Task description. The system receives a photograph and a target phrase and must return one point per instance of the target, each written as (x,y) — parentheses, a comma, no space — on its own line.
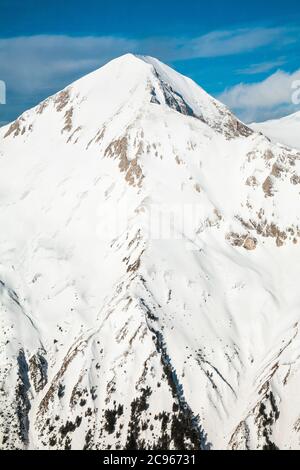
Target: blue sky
(244,53)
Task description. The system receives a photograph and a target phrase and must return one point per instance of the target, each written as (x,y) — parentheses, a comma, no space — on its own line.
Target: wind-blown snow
(127,341)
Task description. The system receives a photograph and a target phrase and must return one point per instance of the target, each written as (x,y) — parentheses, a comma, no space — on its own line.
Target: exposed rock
(268,187)
(118,149)
(62,100)
(16,128)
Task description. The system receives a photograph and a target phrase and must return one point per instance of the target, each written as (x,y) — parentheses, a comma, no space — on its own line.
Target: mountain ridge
(284,131)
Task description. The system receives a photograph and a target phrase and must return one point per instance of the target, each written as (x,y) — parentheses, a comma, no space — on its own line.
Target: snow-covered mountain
(285,131)
(133,339)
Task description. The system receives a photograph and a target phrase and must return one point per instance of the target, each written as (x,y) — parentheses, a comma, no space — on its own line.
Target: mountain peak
(137,84)
(149,271)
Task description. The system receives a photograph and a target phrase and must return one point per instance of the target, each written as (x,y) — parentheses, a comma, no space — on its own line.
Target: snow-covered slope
(285,130)
(159,334)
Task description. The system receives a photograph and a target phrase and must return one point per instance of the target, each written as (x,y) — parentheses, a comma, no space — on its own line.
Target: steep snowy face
(149,271)
(285,131)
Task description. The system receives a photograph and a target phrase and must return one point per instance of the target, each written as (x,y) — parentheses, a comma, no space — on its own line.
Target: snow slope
(133,339)
(285,131)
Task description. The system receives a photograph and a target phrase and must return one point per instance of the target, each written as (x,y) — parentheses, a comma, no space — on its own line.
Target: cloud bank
(34,67)
(272,97)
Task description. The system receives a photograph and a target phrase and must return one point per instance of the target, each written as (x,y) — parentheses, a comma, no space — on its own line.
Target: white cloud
(34,67)
(263,67)
(224,43)
(41,62)
(38,63)
(263,100)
